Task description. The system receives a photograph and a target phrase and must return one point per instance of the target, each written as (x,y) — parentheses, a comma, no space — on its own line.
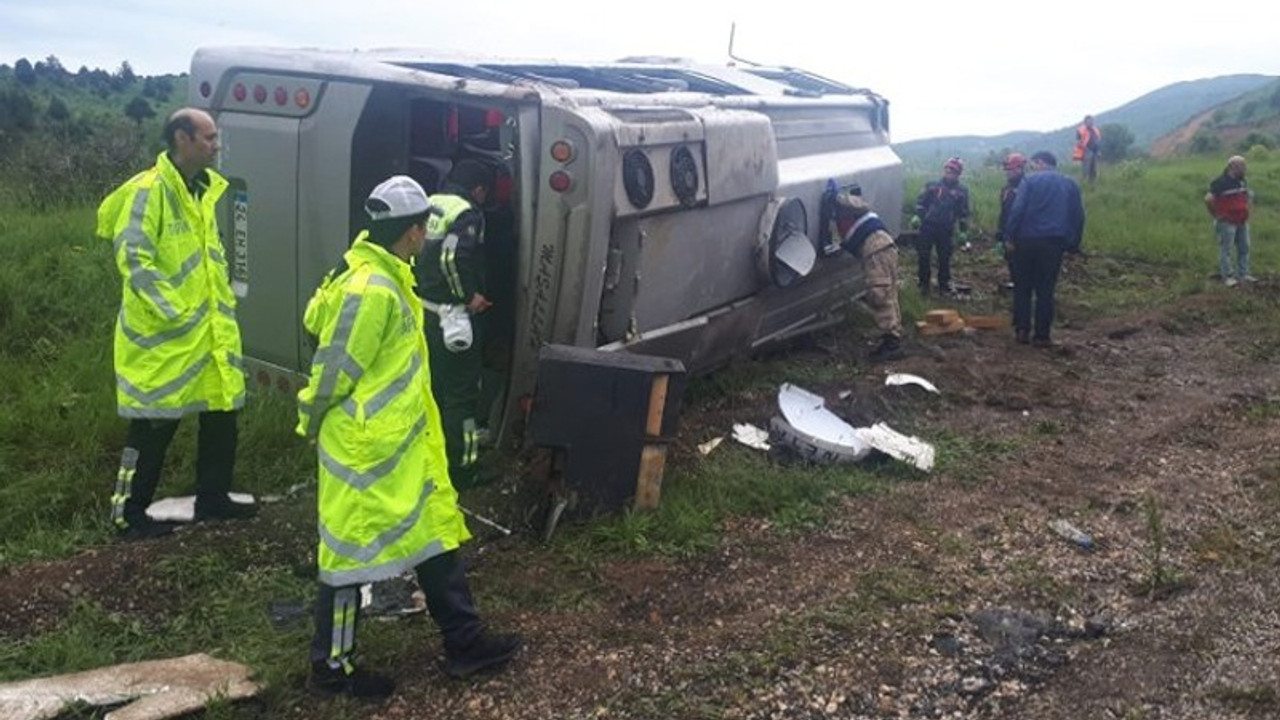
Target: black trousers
(443,580)
(455,385)
(926,242)
(1036,264)
(143,459)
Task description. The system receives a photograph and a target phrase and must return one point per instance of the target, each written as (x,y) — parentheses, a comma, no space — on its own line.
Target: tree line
(66,136)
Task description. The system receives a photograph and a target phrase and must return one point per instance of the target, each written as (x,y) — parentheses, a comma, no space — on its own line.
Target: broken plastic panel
(150,690)
(908,379)
(807,413)
(751,436)
(183,509)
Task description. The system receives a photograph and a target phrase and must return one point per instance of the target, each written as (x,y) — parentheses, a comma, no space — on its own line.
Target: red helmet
(955,164)
(1015,161)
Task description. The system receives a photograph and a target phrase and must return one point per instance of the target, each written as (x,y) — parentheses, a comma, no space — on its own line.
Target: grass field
(60,437)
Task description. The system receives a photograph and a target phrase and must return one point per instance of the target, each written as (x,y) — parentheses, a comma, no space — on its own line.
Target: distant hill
(1149,117)
(1239,122)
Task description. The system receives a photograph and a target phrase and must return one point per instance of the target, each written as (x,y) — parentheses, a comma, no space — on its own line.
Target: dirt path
(947,597)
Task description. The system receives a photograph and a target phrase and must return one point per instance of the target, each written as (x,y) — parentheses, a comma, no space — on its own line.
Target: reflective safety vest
(385,499)
(438,227)
(177,344)
(1083,133)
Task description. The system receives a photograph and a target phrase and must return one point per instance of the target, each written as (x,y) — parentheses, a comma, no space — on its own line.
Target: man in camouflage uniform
(863,235)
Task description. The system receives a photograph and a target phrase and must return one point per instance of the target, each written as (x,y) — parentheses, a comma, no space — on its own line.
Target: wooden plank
(657,405)
(653,461)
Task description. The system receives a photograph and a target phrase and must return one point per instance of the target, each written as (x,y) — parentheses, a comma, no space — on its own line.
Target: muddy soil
(1154,432)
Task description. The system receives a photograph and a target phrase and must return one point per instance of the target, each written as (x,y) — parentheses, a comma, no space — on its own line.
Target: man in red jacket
(1228,201)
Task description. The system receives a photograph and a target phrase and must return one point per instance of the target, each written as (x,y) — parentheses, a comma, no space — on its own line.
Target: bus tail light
(562,151)
(561,181)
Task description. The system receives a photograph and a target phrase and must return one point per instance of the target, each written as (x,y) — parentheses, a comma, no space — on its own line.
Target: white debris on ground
(707,447)
(814,430)
(906,448)
(808,427)
(183,509)
(160,689)
(751,436)
(908,379)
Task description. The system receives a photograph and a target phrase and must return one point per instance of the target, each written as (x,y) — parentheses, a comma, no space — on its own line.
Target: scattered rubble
(151,690)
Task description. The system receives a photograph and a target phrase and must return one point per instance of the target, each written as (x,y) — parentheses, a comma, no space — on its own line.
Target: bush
(71,165)
(1116,140)
(1131,170)
(1205,142)
(1254,139)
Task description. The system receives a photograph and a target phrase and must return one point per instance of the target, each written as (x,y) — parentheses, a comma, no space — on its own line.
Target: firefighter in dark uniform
(941,208)
(450,274)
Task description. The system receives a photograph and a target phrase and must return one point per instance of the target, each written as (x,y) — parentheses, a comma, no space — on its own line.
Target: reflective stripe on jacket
(450,259)
(385,499)
(177,344)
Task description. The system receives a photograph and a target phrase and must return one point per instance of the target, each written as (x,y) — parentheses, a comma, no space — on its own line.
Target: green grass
(60,440)
(733,481)
(1148,235)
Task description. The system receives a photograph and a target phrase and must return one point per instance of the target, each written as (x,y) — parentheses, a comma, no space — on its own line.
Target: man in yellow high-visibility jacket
(177,344)
(386,503)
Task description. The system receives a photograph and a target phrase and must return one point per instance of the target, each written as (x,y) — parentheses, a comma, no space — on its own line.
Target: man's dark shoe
(890,348)
(357,683)
(145,529)
(225,510)
(488,651)
(1041,343)
(1022,337)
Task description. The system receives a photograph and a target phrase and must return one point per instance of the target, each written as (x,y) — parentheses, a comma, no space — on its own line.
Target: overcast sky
(981,67)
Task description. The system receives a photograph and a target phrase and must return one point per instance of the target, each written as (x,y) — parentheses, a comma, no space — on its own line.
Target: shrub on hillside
(1130,170)
(1255,139)
(74,165)
(1204,142)
(1116,140)
(1260,153)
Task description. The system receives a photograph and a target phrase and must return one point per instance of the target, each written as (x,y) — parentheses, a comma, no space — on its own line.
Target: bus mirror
(785,253)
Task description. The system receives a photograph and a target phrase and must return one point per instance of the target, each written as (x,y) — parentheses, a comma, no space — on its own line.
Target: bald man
(177,344)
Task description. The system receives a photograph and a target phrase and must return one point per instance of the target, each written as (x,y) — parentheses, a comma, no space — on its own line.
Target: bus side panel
(258,224)
(877,169)
(572,236)
(678,264)
(324,215)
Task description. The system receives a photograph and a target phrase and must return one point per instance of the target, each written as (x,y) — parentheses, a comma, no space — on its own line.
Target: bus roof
(629,76)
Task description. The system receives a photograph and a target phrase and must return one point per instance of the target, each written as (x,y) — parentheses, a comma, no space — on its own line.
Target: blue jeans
(1228,235)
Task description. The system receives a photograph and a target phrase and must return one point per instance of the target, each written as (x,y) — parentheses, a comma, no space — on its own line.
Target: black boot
(890,348)
(144,529)
(487,651)
(222,508)
(350,681)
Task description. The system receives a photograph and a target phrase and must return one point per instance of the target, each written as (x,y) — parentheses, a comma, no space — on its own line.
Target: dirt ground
(946,597)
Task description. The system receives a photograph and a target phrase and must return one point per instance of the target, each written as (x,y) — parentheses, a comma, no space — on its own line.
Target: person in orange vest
(1088,144)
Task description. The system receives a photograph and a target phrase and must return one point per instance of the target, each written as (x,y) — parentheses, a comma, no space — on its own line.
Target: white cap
(397,197)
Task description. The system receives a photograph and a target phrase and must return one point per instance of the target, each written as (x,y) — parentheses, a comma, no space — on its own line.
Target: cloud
(980,67)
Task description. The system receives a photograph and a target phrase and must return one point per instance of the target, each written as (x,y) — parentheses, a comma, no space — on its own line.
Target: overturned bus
(653,206)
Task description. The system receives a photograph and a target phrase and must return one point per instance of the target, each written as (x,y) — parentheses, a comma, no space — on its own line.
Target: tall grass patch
(60,437)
